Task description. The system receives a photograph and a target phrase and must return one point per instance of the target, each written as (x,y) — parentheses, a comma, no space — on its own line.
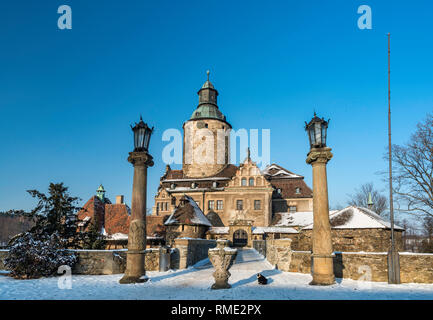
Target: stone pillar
(137,228)
(323,270)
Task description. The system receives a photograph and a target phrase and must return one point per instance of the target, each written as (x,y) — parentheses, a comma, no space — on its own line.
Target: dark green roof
(206,111)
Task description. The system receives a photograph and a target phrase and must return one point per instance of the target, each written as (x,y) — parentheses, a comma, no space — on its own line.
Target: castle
(214,199)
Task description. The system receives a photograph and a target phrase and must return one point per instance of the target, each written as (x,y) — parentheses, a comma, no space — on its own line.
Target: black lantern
(317,131)
(142,135)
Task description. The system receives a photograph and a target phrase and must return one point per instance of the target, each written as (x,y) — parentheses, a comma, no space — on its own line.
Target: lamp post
(140,159)
(318,157)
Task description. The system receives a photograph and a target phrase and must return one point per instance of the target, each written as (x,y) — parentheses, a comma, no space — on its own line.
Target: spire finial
(207,72)
(248,154)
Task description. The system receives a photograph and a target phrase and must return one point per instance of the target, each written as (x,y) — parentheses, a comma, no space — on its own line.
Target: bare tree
(413,171)
(360,198)
(427,243)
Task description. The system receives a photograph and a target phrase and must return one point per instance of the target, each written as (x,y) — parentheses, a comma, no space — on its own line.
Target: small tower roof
(100,192)
(207,107)
(370,201)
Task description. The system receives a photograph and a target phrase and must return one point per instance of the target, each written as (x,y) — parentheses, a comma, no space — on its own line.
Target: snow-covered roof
(188,212)
(276,171)
(262,230)
(189,189)
(197,179)
(357,218)
(219,230)
(117,236)
(295,219)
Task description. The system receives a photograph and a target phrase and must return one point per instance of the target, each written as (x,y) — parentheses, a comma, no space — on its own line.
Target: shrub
(33,256)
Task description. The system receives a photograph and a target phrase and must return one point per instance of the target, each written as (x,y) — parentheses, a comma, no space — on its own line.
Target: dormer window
(298,190)
(172,186)
(193,185)
(214,184)
(279,191)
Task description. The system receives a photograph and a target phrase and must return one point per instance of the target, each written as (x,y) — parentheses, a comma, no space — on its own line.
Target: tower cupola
(207,103)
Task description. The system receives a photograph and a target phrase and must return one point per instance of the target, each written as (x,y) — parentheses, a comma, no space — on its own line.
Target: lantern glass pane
(146,139)
(311,135)
(135,139)
(141,133)
(323,134)
(317,133)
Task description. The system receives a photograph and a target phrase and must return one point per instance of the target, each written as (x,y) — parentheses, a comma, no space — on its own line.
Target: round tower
(206,137)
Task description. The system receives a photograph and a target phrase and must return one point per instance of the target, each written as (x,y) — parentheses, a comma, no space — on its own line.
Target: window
(292,209)
(219,204)
(243,182)
(163,206)
(211,204)
(298,190)
(257,204)
(251,182)
(239,204)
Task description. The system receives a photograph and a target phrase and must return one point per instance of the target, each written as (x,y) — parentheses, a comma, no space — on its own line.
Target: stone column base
(135,272)
(323,270)
(133,279)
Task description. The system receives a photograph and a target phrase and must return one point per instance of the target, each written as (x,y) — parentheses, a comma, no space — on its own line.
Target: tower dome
(207,103)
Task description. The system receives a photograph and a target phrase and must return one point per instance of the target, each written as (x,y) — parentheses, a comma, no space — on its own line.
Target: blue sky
(67,97)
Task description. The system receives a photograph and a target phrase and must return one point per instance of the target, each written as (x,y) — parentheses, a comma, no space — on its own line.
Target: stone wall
(3,254)
(277,252)
(414,267)
(352,240)
(187,252)
(103,261)
(260,246)
(99,262)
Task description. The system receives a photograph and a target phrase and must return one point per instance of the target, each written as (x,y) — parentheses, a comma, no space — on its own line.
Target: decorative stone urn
(222,258)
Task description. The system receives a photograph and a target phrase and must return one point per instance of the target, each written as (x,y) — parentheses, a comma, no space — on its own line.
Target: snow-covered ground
(194,283)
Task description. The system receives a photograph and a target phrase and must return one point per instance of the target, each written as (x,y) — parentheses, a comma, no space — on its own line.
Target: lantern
(142,135)
(317,131)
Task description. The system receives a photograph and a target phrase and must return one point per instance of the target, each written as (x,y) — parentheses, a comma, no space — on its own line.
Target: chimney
(119,199)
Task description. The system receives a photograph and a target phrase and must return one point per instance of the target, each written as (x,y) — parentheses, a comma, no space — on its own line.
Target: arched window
(251,182)
(243,182)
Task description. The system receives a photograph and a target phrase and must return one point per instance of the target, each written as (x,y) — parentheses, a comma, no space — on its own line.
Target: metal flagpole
(393,257)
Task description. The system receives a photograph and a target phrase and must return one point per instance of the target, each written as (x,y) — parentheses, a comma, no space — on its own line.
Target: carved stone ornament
(140,159)
(137,235)
(320,155)
(222,258)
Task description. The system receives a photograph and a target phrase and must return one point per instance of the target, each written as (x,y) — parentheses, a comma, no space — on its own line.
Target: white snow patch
(194,284)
